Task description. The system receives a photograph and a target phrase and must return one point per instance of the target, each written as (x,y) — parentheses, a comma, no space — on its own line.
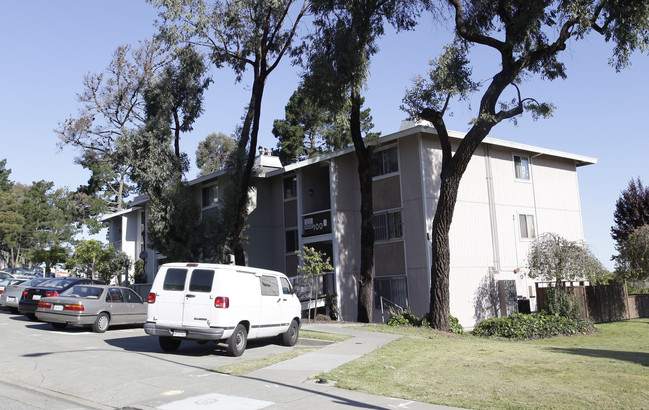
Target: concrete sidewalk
(291,384)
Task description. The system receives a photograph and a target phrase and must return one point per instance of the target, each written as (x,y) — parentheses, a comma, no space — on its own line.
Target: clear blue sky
(47,47)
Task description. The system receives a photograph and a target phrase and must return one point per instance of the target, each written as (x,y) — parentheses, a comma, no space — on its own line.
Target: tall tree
(112,105)
(310,129)
(632,263)
(212,153)
(244,35)
(528,38)
(631,212)
(337,67)
(173,103)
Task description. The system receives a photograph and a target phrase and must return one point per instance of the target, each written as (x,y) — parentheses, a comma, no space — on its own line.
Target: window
(175,279)
(522,167)
(286,286)
(114,295)
(388,226)
(269,286)
(201,280)
(385,162)
(290,188)
(291,241)
(132,297)
(527,226)
(210,196)
(394,290)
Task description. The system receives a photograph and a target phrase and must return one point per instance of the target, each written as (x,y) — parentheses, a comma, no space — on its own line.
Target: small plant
(456,327)
(405,319)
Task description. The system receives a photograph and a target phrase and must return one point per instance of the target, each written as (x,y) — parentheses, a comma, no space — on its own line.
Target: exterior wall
(347,233)
(264,247)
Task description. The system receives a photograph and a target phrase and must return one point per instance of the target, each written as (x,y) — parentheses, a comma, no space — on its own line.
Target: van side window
(201,280)
(175,279)
(286,286)
(269,286)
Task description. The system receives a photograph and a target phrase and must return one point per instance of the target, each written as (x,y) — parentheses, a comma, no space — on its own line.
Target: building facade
(509,194)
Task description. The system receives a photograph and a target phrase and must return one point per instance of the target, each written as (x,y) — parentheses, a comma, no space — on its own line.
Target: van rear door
(199,301)
(169,302)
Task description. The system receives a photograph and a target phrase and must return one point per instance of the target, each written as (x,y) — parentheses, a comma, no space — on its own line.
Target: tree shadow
(486,300)
(640,358)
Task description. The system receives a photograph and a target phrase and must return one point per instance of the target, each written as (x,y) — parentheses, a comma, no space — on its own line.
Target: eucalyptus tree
(337,63)
(173,103)
(212,153)
(244,35)
(309,129)
(528,37)
(111,106)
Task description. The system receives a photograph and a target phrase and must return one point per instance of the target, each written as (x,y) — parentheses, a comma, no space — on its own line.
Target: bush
(532,326)
(408,319)
(562,303)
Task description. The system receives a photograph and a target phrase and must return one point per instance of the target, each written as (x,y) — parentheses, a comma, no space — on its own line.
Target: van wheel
(290,337)
(169,344)
(101,323)
(237,342)
(59,326)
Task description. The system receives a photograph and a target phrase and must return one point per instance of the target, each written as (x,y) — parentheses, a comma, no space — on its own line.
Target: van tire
(289,338)
(101,323)
(169,344)
(237,342)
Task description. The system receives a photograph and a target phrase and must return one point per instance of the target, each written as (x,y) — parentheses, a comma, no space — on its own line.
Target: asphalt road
(74,368)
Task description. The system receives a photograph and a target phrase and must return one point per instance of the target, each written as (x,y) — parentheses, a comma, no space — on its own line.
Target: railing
(392,308)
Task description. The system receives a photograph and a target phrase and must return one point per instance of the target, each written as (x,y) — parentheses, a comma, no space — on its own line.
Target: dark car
(53,287)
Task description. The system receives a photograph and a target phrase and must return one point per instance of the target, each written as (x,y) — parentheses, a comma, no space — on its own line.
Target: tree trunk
(364,156)
(242,201)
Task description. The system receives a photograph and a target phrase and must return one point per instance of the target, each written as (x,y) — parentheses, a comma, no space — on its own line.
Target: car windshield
(80,291)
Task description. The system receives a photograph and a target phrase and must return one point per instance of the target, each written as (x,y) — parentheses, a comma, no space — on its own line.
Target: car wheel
(14,310)
(290,337)
(169,344)
(237,342)
(32,316)
(59,326)
(101,323)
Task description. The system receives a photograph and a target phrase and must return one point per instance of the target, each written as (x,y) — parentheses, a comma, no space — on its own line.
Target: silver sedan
(98,306)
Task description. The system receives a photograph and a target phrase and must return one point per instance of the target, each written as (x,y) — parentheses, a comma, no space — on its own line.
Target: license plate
(57,307)
(36,297)
(11,298)
(179,333)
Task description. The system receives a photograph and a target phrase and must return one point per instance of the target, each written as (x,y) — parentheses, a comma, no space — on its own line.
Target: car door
(116,306)
(271,306)
(198,298)
(135,307)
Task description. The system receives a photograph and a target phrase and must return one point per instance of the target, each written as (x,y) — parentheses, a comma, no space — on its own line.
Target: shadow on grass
(640,358)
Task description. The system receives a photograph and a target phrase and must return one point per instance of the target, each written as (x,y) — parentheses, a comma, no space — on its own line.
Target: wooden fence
(600,303)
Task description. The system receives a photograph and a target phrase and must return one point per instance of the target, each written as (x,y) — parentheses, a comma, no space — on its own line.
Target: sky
(47,47)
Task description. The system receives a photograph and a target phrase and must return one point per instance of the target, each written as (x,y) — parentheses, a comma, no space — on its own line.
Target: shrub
(408,319)
(456,327)
(532,326)
(561,303)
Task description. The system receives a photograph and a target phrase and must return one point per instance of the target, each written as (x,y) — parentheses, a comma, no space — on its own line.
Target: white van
(210,302)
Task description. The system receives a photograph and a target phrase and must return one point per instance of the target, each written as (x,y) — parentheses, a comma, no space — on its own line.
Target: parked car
(19,272)
(12,293)
(98,306)
(53,287)
(8,282)
(6,275)
(209,302)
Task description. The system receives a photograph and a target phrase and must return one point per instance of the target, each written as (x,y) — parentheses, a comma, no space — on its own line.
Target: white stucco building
(509,194)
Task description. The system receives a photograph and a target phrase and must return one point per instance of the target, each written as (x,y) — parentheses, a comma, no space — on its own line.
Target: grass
(609,369)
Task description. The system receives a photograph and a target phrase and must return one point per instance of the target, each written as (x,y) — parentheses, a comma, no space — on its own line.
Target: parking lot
(75,368)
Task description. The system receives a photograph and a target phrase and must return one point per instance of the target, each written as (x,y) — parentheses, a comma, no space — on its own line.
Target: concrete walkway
(292,384)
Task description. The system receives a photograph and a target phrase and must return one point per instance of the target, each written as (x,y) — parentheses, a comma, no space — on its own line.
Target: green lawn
(609,369)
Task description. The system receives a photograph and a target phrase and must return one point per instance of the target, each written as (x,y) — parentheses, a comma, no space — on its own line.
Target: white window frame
(529,167)
(390,234)
(527,226)
(380,152)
